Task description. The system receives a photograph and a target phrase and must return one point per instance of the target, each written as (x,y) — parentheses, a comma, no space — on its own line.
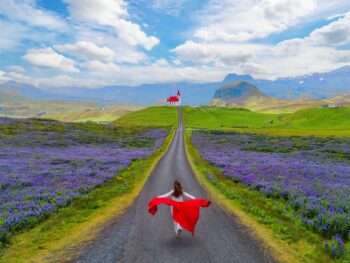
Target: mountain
(316,86)
(246,95)
(10,95)
(237,93)
(234,77)
(242,94)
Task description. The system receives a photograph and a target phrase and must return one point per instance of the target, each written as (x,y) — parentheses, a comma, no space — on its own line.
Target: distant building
(174,100)
(332,105)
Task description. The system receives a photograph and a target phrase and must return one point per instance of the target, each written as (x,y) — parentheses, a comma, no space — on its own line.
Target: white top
(178,199)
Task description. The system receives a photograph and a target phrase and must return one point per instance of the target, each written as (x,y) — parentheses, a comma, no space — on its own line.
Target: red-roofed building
(174,100)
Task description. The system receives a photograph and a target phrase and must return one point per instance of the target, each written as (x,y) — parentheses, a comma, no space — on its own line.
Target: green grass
(321,118)
(219,118)
(62,236)
(282,232)
(93,114)
(156,116)
(317,122)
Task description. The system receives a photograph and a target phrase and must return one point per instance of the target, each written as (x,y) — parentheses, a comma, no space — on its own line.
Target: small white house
(333,105)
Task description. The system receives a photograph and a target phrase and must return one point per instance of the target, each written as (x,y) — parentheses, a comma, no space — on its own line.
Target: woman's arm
(167,195)
(189,196)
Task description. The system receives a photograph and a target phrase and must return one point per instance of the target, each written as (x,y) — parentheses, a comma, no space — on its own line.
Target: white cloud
(18,69)
(225,54)
(87,50)
(170,7)
(29,13)
(335,33)
(112,13)
(236,20)
(11,34)
(98,67)
(131,33)
(60,81)
(224,43)
(288,58)
(3,77)
(48,58)
(104,12)
(161,62)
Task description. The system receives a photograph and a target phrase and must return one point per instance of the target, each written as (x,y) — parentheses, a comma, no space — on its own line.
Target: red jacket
(185,213)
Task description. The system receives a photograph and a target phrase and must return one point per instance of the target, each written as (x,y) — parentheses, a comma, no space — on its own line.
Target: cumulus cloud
(49,58)
(227,40)
(98,67)
(87,50)
(214,53)
(29,13)
(235,20)
(112,13)
(289,58)
(335,33)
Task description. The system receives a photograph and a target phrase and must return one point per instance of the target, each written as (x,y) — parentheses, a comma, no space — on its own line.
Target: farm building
(332,105)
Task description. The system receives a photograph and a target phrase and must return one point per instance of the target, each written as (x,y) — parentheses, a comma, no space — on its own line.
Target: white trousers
(176,225)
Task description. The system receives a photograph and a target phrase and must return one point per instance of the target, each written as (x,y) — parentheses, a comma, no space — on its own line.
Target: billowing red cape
(185,213)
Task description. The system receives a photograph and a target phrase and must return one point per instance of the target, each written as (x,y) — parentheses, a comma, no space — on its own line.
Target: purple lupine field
(44,165)
(311,173)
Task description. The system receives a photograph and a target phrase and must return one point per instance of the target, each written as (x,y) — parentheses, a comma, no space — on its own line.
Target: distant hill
(237,94)
(14,104)
(10,95)
(241,94)
(311,87)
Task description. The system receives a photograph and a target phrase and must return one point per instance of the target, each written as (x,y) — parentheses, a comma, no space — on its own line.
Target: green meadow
(317,122)
(156,116)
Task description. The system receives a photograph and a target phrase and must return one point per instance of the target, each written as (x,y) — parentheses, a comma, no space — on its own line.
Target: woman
(177,194)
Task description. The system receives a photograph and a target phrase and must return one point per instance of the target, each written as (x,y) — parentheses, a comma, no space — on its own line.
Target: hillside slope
(321,118)
(155,116)
(222,118)
(242,94)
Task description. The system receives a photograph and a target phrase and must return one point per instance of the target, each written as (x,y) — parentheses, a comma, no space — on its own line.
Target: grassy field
(317,122)
(94,114)
(151,116)
(221,118)
(320,118)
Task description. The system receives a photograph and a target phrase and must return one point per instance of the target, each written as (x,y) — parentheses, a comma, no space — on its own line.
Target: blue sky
(77,43)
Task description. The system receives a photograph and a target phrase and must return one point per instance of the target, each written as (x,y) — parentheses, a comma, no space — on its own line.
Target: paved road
(139,237)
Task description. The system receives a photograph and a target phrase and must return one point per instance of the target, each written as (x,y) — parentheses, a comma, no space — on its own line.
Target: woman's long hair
(177,189)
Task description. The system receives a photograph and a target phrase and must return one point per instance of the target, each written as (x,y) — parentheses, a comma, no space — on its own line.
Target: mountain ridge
(314,86)
(243,94)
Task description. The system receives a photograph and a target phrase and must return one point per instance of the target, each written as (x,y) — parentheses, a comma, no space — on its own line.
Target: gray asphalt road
(139,237)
